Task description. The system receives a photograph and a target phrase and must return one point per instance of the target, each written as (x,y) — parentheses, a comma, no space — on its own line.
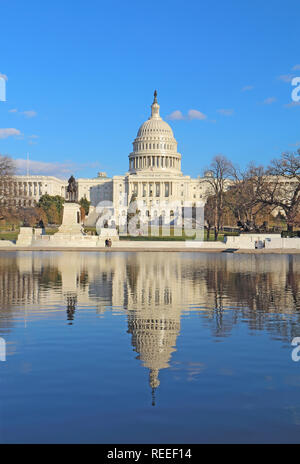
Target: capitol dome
(155,148)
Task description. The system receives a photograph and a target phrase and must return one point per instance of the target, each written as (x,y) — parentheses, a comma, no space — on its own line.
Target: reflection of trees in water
(253,294)
(50,276)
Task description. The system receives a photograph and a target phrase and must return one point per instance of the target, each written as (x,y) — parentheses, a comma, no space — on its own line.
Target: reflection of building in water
(71,306)
(18,286)
(137,281)
(17,281)
(153,304)
(155,289)
(154,335)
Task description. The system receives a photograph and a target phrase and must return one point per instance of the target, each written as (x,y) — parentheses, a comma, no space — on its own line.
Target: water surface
(149,347)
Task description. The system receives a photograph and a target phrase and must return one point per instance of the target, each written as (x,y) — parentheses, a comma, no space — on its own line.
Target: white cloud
(43,168)
(191,114)
(246,88)
(286,77)
(226,112)
(33,136)
(176,115)
(4,133)
(296,67)
(269,101)
(51,169)
(29,114)
(195,114)
(4,76)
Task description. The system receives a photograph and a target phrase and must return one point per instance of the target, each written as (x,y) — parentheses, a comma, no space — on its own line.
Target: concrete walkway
(145,249)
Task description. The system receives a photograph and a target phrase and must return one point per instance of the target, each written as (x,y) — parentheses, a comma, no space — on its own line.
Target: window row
(137,146)
(153,189)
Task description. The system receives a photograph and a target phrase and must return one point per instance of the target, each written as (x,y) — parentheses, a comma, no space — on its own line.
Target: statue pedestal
(25,236)
(71,221)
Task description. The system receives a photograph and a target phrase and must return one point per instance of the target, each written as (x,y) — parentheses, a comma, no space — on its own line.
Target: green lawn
(8,235)
(171,237)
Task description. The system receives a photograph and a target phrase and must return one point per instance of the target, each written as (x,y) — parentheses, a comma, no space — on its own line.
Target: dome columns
(142,162)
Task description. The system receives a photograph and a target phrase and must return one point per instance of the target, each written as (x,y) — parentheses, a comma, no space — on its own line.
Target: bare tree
(209,214)
(241,197)
(7,171)
(7,167)
(218,177)
(279,186)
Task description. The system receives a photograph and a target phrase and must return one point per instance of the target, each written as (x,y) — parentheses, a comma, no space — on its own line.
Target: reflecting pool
(149,347)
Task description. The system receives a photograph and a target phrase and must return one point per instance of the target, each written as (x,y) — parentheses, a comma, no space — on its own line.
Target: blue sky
(81,75)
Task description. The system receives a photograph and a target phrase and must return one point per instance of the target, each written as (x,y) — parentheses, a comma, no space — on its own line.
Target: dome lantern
(155,107)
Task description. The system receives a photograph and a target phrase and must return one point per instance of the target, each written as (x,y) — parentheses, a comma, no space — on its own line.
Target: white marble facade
(154,176)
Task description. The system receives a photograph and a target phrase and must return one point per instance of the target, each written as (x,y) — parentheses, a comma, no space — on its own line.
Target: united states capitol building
(154,177)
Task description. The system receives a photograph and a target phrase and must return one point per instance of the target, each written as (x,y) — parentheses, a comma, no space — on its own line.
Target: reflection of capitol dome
(155,148)
(154,339)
